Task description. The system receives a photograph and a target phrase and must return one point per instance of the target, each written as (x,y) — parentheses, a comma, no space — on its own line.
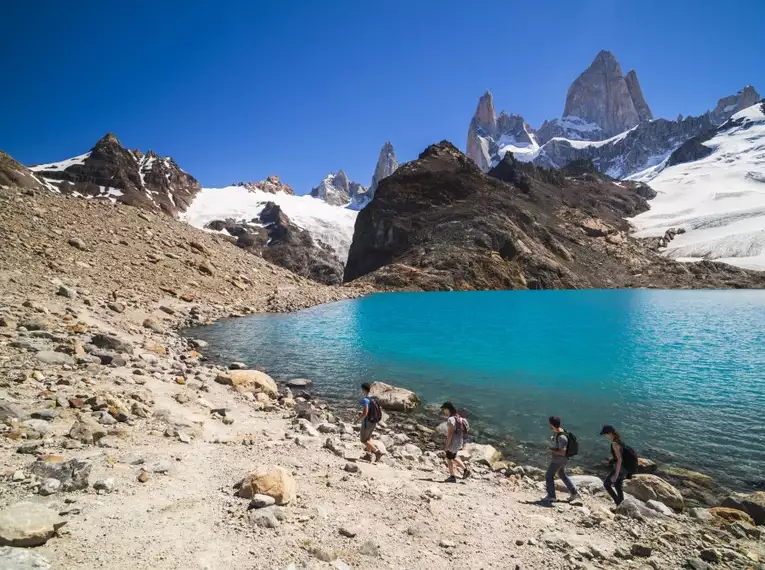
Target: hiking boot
(367,457)
(467,473)
(378,455)
(450,479)
(574,497)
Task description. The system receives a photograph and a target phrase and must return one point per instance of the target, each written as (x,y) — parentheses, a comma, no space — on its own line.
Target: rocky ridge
(439,223)
(337,190)
(386,165)
(271,184)
(115,430)
(111,172)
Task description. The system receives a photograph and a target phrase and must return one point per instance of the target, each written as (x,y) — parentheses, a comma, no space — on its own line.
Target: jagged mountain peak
(337,189)
(485,114)
(271,184)
(606,60)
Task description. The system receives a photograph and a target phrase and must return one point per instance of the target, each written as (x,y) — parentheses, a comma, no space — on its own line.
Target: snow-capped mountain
(112,172)
(332,225)
(336,189)
(713,187)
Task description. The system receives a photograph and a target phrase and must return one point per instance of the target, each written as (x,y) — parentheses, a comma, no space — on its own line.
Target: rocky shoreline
(122,446)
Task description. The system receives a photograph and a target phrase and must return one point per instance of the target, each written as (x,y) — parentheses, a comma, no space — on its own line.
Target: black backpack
(629,459)
(572,448)
(374,412)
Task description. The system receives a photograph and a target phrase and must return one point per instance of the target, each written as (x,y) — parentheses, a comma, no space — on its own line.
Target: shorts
(451,455)
(366,431)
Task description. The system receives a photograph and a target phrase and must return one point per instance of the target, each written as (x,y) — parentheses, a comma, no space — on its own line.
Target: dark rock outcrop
(110,171)
(692,149)
(439,223)
(275,238)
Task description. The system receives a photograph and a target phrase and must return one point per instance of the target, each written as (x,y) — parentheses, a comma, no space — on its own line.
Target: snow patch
(332,225)
(63,165)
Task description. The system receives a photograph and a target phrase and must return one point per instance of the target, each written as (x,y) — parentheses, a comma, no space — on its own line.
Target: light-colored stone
(49,486)
(273,481)
(86,429)
(22,559)
(393,397)
(28,524)
(651,487)
(249,380)
(482,454)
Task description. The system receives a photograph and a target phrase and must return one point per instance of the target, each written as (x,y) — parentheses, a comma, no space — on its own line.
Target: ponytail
(618,438)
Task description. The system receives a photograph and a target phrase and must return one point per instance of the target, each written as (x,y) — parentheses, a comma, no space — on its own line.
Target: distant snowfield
(719,200)
(331,224)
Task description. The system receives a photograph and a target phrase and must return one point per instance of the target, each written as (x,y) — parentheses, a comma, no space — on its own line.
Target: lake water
(680,373)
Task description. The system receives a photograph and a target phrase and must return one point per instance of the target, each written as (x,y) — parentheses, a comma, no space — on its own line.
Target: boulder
(651,487)
(646,465)
(589,482)
(730,515)
(752,504)
(72,474)
(87,430)
(635,509)
(28,524)
(249,380)
(276,482)
(22,559)
(660,508)
(299,383)
(10,410)
(54,358)
(394,398)
(482,454)
(109,342)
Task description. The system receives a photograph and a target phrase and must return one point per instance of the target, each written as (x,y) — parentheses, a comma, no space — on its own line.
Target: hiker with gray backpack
(565,446)
(457,429)
(371,414)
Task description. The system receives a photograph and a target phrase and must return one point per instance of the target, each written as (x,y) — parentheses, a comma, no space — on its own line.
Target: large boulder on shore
(28,524)
(752,504)
(249,381)
(481,454)
(651,487)
(393,397)
(275,482)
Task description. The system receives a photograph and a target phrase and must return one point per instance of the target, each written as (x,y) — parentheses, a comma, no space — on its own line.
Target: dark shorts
(451,455)
(366,431)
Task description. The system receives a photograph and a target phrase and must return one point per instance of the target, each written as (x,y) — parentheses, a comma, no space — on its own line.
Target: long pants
(614,487)
(558,468)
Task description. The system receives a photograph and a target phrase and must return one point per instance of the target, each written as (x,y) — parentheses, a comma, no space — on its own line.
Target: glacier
(719,200)
(330,224)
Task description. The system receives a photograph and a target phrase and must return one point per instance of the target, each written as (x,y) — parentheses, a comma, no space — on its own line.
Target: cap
(607,429)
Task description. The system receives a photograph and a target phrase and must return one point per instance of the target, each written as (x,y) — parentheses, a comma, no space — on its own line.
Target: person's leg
(464,468)
(608,483)
(552,469)
(450,457)
(566,480)
(619,490)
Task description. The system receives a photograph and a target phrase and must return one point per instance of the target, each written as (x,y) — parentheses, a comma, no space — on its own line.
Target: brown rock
(730,515)
(275,482)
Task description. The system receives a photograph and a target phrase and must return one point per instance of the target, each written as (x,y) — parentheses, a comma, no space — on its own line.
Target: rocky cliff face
(602,95)
(636,93)
(271,185)
(490,137)
(386,165)
(275,238)
(439,223)
(337,190)
(732,104)
(110,171)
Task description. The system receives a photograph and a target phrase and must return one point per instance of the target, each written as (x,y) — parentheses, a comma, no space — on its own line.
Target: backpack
(374,412)
(572,447)
(629,459)
(462,426)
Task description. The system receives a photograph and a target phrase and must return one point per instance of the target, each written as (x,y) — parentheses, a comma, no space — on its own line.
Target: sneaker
(450,479)
(378,455)
(548,499)
(467,473)
(574,497)
(367,457)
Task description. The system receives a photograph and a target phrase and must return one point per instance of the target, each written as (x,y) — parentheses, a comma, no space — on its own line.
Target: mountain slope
(110,171)
(439,223)
(715,191)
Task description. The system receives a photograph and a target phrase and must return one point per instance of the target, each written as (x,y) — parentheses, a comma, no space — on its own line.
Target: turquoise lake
(680,373)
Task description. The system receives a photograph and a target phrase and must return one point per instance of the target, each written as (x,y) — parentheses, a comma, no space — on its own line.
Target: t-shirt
(560,442)
(456,434)
(365,403)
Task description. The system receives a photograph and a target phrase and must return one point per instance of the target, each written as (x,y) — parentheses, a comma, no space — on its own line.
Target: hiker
(370,416)
(456,431)
(564,446)
(624,461)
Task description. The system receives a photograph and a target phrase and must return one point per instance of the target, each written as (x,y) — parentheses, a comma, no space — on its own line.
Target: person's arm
(556,450)
(449,435)
(364,413)
(618,453)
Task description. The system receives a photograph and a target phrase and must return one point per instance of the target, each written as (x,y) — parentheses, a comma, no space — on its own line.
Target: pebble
(261,501)
(349,531)
(106,485)
(49,486)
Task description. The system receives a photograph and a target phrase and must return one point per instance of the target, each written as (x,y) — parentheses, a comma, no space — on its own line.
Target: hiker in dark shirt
(558,461)
(622,460)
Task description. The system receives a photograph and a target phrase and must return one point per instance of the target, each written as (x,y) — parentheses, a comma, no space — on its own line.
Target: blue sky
(237,90)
